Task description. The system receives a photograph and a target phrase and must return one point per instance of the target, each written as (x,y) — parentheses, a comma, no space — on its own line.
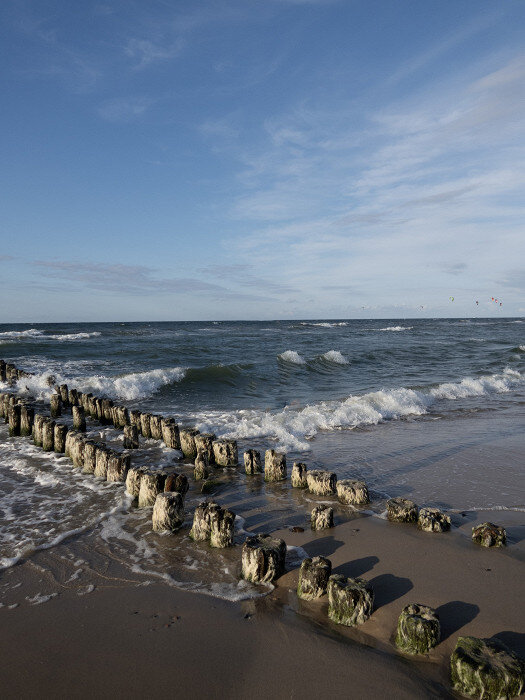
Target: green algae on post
(433,520)
(350,600)
(418,629)
(401,510)
(313,577)
(489,535)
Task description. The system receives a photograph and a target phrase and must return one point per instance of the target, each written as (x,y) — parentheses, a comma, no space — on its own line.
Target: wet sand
(127,639)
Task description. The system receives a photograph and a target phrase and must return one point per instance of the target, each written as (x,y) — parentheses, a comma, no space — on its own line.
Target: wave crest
(292,356)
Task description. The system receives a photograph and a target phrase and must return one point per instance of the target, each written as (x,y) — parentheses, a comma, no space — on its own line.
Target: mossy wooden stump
(155,427)
(176,482)
(433,520)
(221,527)
(313,577)
(73,397)
(299,478)
(486,668)
(263,559)
(90,457)
(353,492)
(252,462)
(225,453)
(37,429)
(118,467)
(350,600)
(151,484)
(200,531)
(274,466)
(48,435)
(321,483)
(145,427)
(55,404)
(168,512)
(204,443)
(14,419)
(201,470)
(131,437)
(134,419)
(489,535)
(170,433)
(79,418)
(401,510)
(133,480)
(322,518)
(27,416)
(187,442)
(59,438)
(102,455)
(418,629)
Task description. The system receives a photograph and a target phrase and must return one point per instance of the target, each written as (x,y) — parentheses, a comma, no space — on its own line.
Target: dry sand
(131,640)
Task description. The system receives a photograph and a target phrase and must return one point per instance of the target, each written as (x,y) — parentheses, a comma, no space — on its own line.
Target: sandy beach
(127,639)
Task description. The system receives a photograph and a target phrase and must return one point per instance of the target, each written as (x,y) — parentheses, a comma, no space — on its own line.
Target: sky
(239,159)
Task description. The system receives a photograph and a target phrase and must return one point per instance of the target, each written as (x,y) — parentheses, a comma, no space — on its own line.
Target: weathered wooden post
(134,419)
(274,466)
(48,435)
(322,518)
(433,520)
(77,450)
(176,482)
(204,443)
(99,410)
(418,629)
(133,480)
(64,394)
(73,397)
(313,577)
(101,462)
(252,462)
(201,522)
(201,471)
(486,668)
(79,418)
(118,467)
(350,600)
(122,415)
(225,452)
(151,484)
(321,483)
(263,558)
(55,404)
(2,371)
(27,415)
(187,442)
(401,510)
(155,427)
(170,433)
(352,492)
(90,457)
(145,426)
(168,512)
(70,438)
(221,527)
(489,535)
(299,475)
(131,437)
(37,429)
(59,437)
(14,419)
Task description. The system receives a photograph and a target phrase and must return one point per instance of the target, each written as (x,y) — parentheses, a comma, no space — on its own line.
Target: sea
(428,409)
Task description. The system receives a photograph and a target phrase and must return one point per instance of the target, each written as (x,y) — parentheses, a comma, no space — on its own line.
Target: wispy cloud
(125,109)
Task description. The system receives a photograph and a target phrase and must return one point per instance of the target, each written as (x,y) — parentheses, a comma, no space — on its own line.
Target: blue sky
(256,160)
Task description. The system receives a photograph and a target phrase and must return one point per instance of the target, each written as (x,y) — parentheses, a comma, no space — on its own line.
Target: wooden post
(48,435)
(187,442)
(37,429)
(79,418)
(55,403)
(204,443)
(73,397)
(90,457)
(60,437)
(131,437)
(14,420)
(155,427)
(27,416)
(107,413)
(225,453)
(170,433)
(145,427)
(252,462)
(101,462)
(64,394)
(118,467)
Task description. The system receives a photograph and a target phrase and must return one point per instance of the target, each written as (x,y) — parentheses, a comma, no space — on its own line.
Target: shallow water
(432,410)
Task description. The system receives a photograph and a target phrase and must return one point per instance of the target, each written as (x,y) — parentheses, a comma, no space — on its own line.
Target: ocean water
(428,409)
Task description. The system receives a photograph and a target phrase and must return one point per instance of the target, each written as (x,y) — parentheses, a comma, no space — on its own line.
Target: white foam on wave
(335,356)
(40,335)
(396,328)
(292,356)
(324,324)
(135,385)
(292,428)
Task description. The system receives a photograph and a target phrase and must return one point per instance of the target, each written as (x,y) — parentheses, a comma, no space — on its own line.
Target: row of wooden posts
(350,601)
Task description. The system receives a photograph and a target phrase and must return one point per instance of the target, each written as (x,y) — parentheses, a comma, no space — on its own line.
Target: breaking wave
(396,328)
(335,356)
(292,428)
(292,356)
(324,324)
(41,335)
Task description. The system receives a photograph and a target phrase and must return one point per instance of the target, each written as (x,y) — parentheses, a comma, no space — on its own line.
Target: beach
(87,586)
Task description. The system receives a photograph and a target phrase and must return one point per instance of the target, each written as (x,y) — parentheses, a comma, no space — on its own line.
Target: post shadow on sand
(324,546)
(356,567)
(515,641)
(388,588)
(455,615)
